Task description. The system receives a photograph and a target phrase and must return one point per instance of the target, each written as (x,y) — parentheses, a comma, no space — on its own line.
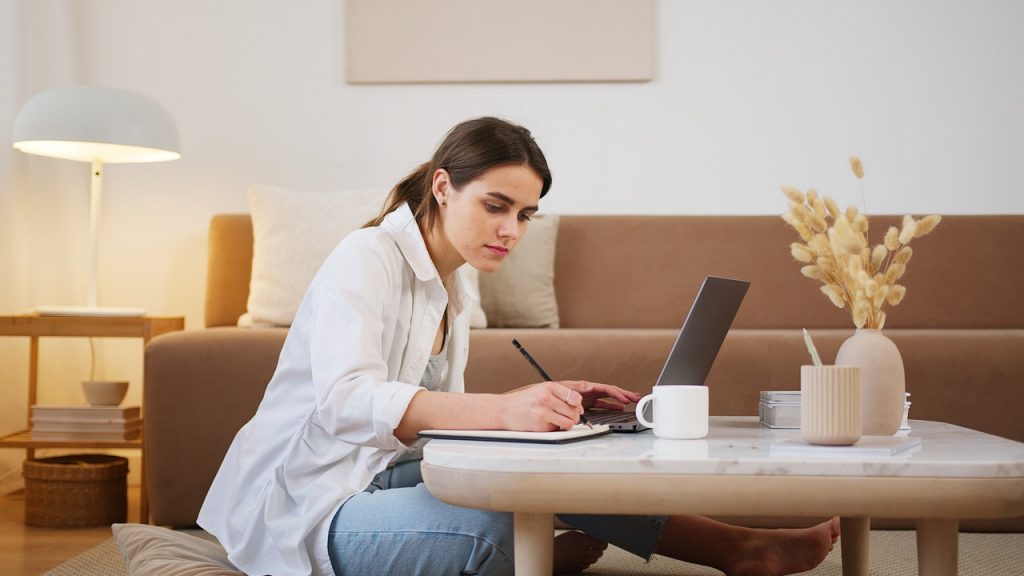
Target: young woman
(325,477)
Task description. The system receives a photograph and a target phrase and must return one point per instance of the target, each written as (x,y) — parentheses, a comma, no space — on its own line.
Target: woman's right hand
(543,407)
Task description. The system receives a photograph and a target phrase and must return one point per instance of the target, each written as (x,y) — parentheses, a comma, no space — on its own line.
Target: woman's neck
(444,256)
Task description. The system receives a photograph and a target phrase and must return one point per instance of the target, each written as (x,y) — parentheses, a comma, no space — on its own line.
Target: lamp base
(87,311)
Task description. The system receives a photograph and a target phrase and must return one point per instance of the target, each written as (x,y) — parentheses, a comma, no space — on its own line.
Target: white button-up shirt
(325,427)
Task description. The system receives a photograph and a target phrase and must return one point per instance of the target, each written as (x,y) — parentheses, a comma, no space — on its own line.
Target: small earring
(445,203)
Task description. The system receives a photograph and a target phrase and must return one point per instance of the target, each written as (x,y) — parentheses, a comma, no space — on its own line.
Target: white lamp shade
(90,123)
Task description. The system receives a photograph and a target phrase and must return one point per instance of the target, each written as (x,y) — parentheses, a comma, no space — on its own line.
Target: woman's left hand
(597,395)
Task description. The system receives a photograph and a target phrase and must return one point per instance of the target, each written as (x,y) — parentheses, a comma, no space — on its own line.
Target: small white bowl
(104,392)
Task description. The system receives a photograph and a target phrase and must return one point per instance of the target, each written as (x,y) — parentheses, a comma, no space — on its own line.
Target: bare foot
(576,551)
(784,551)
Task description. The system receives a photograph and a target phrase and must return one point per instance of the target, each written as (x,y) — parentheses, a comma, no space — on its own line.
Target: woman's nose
(509,228)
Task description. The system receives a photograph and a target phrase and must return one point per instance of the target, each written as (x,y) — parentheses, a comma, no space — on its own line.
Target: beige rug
(893,553)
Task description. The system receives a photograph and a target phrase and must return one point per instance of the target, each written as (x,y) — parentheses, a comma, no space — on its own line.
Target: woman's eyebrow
(510,201)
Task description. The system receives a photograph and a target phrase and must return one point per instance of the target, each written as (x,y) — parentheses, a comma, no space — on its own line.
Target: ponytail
(412,190)
(467,151)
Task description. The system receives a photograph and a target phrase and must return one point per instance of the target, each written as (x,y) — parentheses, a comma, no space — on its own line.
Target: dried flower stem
(836,252)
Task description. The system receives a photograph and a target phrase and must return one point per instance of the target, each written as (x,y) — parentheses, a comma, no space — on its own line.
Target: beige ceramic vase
(882,383)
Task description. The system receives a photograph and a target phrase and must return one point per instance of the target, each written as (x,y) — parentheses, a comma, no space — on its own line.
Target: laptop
(695,349)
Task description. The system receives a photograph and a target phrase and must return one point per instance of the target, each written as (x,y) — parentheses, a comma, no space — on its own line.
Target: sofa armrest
(201,387)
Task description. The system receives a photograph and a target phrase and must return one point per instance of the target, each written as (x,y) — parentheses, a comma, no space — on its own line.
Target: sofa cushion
(293,233)
(154,551)
(521,293)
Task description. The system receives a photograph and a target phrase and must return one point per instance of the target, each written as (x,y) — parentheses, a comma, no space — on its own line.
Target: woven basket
(76,491)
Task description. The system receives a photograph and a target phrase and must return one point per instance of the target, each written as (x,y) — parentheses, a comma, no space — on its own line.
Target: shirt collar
(401,224)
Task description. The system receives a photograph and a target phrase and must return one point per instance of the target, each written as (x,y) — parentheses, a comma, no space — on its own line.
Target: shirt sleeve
(355,400)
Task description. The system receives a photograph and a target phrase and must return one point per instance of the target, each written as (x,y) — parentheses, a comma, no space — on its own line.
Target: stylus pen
(544,375)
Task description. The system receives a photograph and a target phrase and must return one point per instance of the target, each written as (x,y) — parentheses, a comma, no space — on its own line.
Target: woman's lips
(498,250)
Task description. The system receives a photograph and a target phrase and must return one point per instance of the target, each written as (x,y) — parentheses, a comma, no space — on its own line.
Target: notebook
(577,432)
(695,348)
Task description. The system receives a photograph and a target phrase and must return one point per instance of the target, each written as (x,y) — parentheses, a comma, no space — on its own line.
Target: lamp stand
(91,308)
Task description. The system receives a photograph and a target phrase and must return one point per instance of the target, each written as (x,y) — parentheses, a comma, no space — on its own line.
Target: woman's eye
(524,217)
(494,207)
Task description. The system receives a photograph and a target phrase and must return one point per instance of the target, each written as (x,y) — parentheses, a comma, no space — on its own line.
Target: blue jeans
(397,527)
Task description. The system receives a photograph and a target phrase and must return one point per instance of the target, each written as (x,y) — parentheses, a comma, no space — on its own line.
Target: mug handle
(640,406)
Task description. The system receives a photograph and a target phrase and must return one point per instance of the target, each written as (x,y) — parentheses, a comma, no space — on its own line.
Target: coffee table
(955,473)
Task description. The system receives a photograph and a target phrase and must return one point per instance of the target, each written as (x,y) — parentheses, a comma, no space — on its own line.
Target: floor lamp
(96,125)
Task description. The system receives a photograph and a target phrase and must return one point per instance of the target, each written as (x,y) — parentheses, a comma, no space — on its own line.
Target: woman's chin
(486,265)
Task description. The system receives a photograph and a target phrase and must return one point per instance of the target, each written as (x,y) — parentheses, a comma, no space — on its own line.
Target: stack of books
(86,423)
(781,409)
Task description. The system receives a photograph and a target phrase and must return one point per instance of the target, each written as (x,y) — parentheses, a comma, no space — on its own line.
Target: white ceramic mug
(680,412)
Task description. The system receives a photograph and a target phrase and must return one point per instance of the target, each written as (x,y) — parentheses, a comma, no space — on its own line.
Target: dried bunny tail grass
(854,267)
(793,194)
(881,320)
(908,231)
(793,220)
(903,256)
(861,311)
(819,244)
(857,167)
(927,224)
(864,279)
(833,209)
(811,196)
(861,223)
(892,239)
(817,205)
(843,237)
(834,294)
(813,272)
(877,257)
(851,213)
(896,294)
(894,273)
(817,223)
(801,212)
(801,253)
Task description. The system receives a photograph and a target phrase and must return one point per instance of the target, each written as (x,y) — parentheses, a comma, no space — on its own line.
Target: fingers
(608,390)
(567,405)
(608,405)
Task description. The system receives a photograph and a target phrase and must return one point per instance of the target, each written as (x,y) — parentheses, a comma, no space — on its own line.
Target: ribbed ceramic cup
(830,408)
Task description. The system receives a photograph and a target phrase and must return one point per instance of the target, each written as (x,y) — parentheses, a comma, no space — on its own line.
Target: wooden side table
(35,326)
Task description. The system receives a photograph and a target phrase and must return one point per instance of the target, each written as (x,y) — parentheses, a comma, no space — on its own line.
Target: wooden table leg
(937,542)
(534,543)
(855,535)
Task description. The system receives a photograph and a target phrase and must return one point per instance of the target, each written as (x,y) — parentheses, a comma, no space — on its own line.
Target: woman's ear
(440,186)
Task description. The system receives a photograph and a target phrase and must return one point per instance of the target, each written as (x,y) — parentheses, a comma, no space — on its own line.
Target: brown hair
(467,151)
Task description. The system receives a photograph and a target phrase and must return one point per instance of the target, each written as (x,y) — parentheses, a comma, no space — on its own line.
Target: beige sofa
(623,286)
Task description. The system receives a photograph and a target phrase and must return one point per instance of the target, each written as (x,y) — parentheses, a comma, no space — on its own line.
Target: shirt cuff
(390,401)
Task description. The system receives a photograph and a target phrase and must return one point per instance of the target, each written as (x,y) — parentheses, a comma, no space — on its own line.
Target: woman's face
(485,219)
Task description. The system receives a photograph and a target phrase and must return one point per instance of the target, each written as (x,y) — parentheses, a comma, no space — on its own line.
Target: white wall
(748,95)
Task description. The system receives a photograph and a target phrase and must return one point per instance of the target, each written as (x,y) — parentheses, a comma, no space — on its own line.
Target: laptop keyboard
(610,416)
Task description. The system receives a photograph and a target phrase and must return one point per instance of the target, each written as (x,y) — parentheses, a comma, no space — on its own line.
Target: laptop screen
(703,331)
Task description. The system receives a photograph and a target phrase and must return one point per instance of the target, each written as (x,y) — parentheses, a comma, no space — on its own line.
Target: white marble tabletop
(739,445)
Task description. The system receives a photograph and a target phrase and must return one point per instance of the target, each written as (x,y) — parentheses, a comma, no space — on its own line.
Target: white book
(78,425)
(780,396)
(85,412)
(86,436)
(866,447)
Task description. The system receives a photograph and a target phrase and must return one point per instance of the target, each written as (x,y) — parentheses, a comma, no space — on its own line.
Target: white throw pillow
(293,233)
(155,551)
(521,293)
